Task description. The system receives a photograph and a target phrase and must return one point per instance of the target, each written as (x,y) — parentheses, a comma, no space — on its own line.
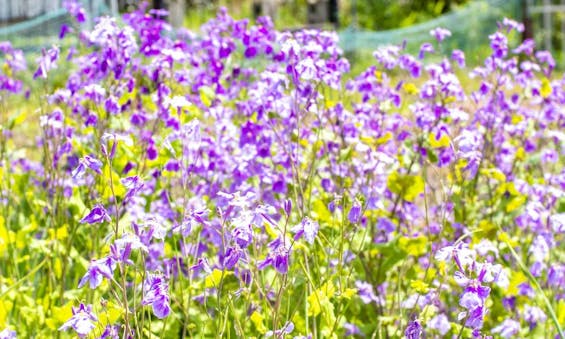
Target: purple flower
(459,57)
(96,215)
(287,328)
(365,292)
(511,24)
(508,329)
(526,290)
(499,44)
(7,334)
(134,184)
(307,228)
(64,30)
(82,321)
(156,294)
(440,33)
(475,317)
(111,105)
(414,330)
(250,52)
(232,256)
(385,225)
(47,62)
(440,323)
(539,249)
(556,275)
(278,257)
(201,265)
(354,213)
(351,329)
(287,206)
(307,69)
(410,64)
(425,48)
(97,270)
(242,235)
(84,163)
(129,242)
(557,222)
(111,332)
(534,315)
(75,10)
(527,47)
(547,58)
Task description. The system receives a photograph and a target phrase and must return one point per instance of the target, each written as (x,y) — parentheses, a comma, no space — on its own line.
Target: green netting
(42,31)
(470,26)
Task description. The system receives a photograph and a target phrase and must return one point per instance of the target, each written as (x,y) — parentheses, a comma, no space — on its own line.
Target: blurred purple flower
(534,315)
(425,48)
(440,33)
(278,257)
(354,214)
(84,163)
(231,257)
(133,184)
(365,292)
(499,44)
(156,294)
(459,57)
(509,328)
(75,10)
(7,334)
(111,332)
(351,329)
(287,328)
(440,323)
(83,320)
(307,228)
(97,270)
(64,30)
(413,330)
(47,61)
(96,215)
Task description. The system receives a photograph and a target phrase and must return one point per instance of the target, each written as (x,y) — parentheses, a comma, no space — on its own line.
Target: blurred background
(363,25)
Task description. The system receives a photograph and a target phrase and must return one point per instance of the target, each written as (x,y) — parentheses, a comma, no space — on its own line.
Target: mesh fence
(42,31)
(470,26)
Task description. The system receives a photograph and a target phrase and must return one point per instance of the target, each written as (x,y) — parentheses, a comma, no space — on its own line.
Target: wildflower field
(241,182)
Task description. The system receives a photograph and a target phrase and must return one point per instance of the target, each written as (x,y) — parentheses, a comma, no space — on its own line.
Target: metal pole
(354,14)
(114,7)
(562,37)
(547,28)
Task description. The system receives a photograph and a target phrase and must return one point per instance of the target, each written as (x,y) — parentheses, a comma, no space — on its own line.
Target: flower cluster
(240,181)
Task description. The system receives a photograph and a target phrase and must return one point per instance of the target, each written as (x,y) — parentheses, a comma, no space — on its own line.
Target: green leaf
(321,211)
(407,186)
(414,246)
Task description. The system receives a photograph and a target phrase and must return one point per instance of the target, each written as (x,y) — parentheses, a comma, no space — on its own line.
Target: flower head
(508,329)
(156,294)
(96,215)
(7,334)
(440,33)
(414,330)
(307,228)
(83,320)
(97,270)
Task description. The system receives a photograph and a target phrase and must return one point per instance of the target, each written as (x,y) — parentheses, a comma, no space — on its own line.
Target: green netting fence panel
(470,26)
(34,34)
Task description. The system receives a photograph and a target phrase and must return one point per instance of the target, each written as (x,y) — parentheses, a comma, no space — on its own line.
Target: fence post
(547,29)
(527,19)
(562,3)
